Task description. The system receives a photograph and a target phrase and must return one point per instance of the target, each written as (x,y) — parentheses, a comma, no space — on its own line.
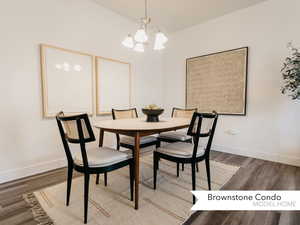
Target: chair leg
(97,178)
(105,178)
(155,167)
(69,184)
(86,195)
(118,141)
(208,173)
(182,167)
(197,166)
(193,180)
(131,175)
(157,144)
(177,169)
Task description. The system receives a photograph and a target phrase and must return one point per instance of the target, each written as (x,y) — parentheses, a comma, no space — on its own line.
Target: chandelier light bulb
(158,46)
(139,47)
(141,36)
(161,38)
(128,42)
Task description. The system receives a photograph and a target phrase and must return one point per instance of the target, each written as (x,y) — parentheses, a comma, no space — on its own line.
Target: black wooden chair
(128,142)
(178,136)
(76,129)
(202,129)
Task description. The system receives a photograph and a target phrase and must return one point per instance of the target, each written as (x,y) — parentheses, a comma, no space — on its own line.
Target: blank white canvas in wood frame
(67,80)
(113,85)
(218,82)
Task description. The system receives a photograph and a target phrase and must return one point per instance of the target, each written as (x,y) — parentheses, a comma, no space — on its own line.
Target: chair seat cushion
(175,135)
(181,150)
(101,157)
(144,140)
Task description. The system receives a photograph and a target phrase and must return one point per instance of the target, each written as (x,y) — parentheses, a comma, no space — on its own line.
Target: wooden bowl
(152,114)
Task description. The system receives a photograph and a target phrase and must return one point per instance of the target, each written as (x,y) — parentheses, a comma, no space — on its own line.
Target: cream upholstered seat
(101,157)
(201,129)
(129,142)
(173,136)
(144,140)
(181,150)
(178,136)
(77,129)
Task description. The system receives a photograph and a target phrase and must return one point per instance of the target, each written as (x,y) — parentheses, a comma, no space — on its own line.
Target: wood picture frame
(108,74)
(61,92)
(218,81)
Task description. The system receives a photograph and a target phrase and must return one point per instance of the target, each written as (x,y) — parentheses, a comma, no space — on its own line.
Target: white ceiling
(174,15)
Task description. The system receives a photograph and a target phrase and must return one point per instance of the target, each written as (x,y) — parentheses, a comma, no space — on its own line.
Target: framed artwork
(218,82)
(113,85)
(67,80)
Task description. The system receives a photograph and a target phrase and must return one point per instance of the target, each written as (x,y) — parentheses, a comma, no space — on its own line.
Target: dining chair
(178,136)
(76,129)
(126,141)
(202,129)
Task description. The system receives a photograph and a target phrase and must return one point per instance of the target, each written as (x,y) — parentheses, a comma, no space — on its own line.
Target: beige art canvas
(218,82)
(67,80)
(113,85)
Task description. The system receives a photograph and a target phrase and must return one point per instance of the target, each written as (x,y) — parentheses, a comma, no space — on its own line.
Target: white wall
(271,129)
(28,143)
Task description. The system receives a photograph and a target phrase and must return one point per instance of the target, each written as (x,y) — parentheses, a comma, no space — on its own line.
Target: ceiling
(174,15)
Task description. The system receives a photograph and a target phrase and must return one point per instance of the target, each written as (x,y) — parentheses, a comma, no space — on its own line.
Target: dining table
(137,128)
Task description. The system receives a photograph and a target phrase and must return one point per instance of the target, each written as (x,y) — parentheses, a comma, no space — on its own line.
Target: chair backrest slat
(183,113)
(75,129)
(71,127)
(124,113)
(202,129)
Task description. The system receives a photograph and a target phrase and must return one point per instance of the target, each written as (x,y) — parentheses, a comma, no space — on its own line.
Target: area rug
(170,203)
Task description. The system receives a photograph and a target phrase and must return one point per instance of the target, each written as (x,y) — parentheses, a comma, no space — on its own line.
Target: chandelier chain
(146,13)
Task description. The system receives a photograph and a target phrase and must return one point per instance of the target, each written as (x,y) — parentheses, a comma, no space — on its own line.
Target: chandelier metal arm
(141,38)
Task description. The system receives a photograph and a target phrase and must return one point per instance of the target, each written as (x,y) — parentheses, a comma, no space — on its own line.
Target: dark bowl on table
(152,114)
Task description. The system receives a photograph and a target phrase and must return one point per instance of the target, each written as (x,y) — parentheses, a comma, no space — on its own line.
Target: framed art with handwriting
(218,82)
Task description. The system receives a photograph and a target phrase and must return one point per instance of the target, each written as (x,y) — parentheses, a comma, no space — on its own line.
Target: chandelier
(140,39)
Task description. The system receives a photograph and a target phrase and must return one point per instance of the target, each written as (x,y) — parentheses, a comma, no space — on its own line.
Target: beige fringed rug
(170,203)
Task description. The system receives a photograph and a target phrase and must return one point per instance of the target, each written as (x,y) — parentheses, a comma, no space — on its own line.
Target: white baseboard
(294,161)
(14,174)
(18,173)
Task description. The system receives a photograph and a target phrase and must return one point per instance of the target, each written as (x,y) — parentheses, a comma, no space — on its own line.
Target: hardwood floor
(254,174)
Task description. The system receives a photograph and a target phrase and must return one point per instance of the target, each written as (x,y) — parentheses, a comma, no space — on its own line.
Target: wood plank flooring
(254,174)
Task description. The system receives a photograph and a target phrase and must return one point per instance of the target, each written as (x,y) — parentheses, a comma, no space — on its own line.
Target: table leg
(101,136)
(137,168)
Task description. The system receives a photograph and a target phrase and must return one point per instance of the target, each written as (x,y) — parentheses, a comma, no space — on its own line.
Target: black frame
(246,78)
(194,159)
(131,147)
(85,169)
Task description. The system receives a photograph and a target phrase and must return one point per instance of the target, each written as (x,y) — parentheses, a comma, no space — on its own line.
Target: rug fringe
(38,212)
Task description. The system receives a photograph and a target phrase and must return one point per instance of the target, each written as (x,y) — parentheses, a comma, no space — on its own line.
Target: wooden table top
(140,124)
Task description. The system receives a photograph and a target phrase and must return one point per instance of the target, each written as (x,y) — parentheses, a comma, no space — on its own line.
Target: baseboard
(294,161)
(18,173)
(15,174)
